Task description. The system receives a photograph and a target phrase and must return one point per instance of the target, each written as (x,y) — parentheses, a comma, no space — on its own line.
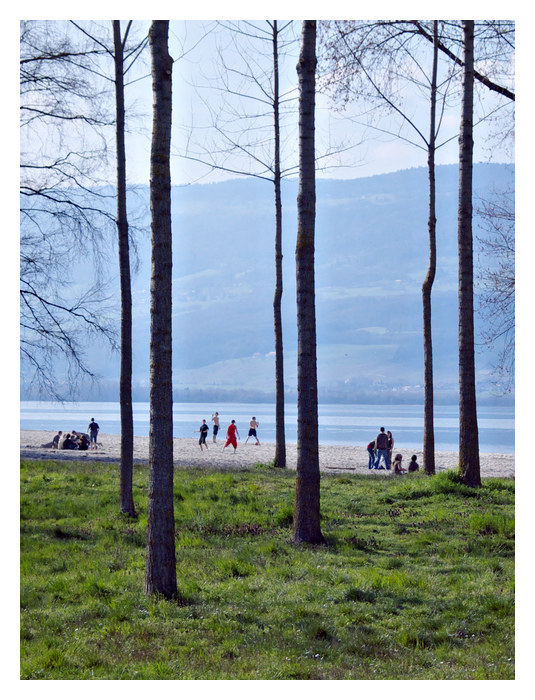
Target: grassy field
(416,580)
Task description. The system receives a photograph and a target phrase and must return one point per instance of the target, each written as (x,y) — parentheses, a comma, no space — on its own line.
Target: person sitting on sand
(232,431)
(68,443)
(55,441)
(413,464)
(83,442)
(398,469)
(203,430)
(253,425)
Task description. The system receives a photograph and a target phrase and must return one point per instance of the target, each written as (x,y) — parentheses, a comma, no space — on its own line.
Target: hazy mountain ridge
(371,260)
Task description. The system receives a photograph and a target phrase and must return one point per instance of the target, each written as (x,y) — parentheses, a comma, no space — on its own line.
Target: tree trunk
(160,563)
(429,429)
(280,439)
(307,498)
(468,430)
(125,382)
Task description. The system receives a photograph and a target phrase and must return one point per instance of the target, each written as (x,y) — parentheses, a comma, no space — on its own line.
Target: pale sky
(372,153)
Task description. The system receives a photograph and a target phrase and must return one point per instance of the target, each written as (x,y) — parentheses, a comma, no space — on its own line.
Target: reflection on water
(338,424)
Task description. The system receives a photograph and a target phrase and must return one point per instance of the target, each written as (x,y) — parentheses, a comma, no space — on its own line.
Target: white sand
(333,459)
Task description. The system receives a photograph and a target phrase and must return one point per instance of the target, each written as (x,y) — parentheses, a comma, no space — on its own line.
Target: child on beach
(413,464)
(398,469)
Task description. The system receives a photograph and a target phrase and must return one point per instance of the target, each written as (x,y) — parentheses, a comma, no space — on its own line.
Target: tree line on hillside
(359,61)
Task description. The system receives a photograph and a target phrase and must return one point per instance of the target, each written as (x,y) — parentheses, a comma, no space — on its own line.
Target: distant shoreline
(333,458)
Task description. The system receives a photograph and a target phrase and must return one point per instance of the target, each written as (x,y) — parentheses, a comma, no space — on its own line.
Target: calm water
(338,424)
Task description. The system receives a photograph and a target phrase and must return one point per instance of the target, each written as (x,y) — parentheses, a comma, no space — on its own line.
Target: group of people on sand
(232,435)
(381,449)
(76,440)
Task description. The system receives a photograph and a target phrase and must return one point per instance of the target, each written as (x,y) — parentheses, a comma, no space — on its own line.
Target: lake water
(339,424)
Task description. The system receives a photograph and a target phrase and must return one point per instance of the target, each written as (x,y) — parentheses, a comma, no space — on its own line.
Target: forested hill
(371,260)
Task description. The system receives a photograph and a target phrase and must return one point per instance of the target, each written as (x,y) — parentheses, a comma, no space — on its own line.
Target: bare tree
(429,421)
(469,467)
(306,526)
(125,381)
(372,60)
(242,147)
(64,218)
(123,56)
(376,63)
(160,563)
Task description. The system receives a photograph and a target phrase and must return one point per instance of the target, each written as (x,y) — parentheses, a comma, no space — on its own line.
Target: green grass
(416,580)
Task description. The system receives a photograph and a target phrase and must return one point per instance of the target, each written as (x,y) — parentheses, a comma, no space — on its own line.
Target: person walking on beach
(203,430)
(93,429)
(232,431)
(253,425)
(371,454)
(215,421)
(381,444)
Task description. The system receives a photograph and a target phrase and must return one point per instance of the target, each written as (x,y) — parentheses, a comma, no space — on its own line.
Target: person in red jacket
(232,431)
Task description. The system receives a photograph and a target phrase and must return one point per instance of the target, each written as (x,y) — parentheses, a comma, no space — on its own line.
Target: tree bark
(125,382)
(429,429)
(469,467)
(306,526)
(280,436)
(160,563)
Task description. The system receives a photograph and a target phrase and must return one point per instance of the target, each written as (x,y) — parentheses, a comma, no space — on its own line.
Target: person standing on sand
(203,430)
(371,454)
(93,429)
(390,446)
(253,425)
(215,421)
(232,431)
(381,444)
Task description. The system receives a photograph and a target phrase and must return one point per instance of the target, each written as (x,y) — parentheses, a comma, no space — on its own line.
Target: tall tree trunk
(429,429)
(468,430)
(160,563)
(125,383)
(280,439)
(307,497)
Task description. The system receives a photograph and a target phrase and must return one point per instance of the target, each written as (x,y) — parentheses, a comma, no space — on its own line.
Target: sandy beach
(333,459)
